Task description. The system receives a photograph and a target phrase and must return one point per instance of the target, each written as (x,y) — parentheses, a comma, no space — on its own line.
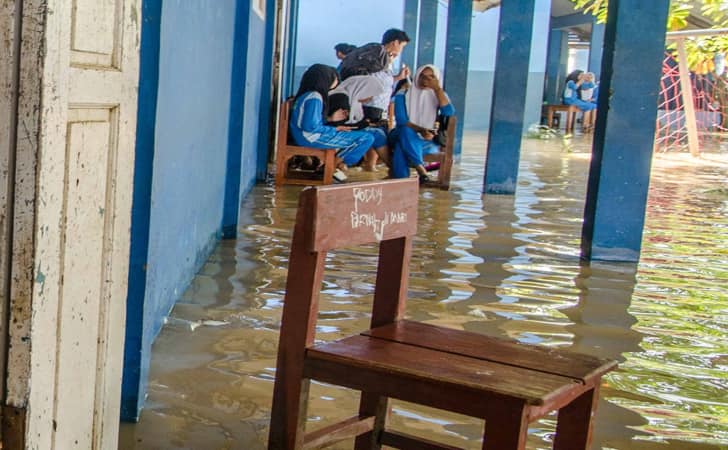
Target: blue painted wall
(190,145)
(255,92)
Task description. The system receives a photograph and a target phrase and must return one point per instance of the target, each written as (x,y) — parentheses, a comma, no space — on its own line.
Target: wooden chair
(285,151)
(505,382)
(444,156)
(569,110)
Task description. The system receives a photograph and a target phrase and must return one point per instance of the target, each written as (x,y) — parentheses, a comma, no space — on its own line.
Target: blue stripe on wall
(266,106)
(235,126)
(141,207)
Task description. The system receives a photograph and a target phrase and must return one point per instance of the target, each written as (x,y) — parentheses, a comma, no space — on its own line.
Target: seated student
(360,89)
(416,111)
(308,124)
(574,82)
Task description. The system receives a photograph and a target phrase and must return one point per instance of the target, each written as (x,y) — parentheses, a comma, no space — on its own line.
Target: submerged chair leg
(377,406)
(574,426)
(508,430)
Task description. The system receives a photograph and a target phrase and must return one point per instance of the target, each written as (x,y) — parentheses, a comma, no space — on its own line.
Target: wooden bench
(285,151)
(569,110)
(444,157)
(505,382)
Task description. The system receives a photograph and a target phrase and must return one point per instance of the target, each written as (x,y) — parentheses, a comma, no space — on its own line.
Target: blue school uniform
(409,146)
(308,129)
(571,97)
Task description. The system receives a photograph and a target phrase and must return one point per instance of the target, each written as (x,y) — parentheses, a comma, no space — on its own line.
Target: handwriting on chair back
(359,213)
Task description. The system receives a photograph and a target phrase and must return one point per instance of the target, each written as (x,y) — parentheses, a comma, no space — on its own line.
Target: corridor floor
(500,265)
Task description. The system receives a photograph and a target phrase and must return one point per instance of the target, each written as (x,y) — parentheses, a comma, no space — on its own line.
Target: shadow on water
(498,265)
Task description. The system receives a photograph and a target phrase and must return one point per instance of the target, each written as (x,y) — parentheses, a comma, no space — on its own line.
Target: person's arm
(312,115)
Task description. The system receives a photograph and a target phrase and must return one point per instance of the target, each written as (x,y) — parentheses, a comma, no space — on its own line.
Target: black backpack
(364,60)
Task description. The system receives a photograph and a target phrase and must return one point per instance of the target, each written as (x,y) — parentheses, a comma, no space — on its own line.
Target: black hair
(400,84)
(394,34)
(574,76)
(318,78)
(344,48)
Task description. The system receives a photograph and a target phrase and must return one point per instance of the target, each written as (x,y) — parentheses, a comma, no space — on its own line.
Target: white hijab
(422,104)
(357,88)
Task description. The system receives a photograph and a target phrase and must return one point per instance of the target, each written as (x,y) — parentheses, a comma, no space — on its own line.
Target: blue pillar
(596,46)
(132,390)
(428,32)
(459,19)
(558,57)
(267,107)
(509,96)
(411,15)
(289,58)
(231,203)
(619,174)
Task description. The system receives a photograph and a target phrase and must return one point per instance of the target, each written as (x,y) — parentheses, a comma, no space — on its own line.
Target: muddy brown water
(499,265)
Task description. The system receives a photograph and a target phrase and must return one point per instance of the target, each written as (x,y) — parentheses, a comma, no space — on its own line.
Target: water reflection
(501,265)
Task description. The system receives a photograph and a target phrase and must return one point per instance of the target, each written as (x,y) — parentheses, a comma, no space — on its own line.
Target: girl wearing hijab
(308,123)
(575,82)
(361,89)
(416,111)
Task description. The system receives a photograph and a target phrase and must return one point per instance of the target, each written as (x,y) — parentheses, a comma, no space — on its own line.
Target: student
(342,49)
(393,41)
(574,83)
(308,124)
(360,89)
(416,111)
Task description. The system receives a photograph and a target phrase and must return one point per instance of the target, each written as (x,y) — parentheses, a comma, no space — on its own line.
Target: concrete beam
(572,20)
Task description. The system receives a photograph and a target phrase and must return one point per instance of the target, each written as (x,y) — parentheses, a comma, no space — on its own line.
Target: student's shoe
(424,179)
(339,175)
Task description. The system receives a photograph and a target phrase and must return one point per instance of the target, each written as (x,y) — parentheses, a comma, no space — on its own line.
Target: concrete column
(289,58)
(596,46)
(411,15)
(459,18)
(619,175)
(428,32)
(231,204)
(558,56)
(509,96)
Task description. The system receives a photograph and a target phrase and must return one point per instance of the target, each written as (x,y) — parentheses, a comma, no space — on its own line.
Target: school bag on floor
(364,60)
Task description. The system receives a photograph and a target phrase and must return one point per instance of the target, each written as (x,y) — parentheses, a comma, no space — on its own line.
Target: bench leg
(377,406)
(288,419)
(574,426)
(507,430)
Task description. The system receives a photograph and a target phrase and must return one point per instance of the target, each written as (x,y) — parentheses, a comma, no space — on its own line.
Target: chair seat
(432,365)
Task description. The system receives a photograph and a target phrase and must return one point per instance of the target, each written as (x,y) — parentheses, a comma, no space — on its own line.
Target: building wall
(188,171)
(205,139)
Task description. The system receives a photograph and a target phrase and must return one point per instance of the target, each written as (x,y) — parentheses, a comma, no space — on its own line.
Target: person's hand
(403,73)
(339,115)
(344,128)
(427,135)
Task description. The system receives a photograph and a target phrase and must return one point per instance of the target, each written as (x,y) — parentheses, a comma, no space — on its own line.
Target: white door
(83,188)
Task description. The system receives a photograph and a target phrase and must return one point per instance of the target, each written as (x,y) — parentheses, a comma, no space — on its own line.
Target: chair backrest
(283,122)
(337,216)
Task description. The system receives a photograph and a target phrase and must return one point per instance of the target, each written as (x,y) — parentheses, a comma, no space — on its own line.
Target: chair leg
(288,418)
(507,430)
(574,425)
(377,406)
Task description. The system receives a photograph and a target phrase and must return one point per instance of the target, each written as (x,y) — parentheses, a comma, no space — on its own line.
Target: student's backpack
(364,60)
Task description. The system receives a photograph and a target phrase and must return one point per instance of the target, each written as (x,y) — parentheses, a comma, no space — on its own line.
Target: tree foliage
(701,50)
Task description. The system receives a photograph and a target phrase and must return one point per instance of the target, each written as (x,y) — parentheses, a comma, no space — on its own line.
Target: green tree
(701,50)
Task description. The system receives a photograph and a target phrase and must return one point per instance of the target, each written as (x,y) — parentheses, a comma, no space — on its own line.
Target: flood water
(498,265)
